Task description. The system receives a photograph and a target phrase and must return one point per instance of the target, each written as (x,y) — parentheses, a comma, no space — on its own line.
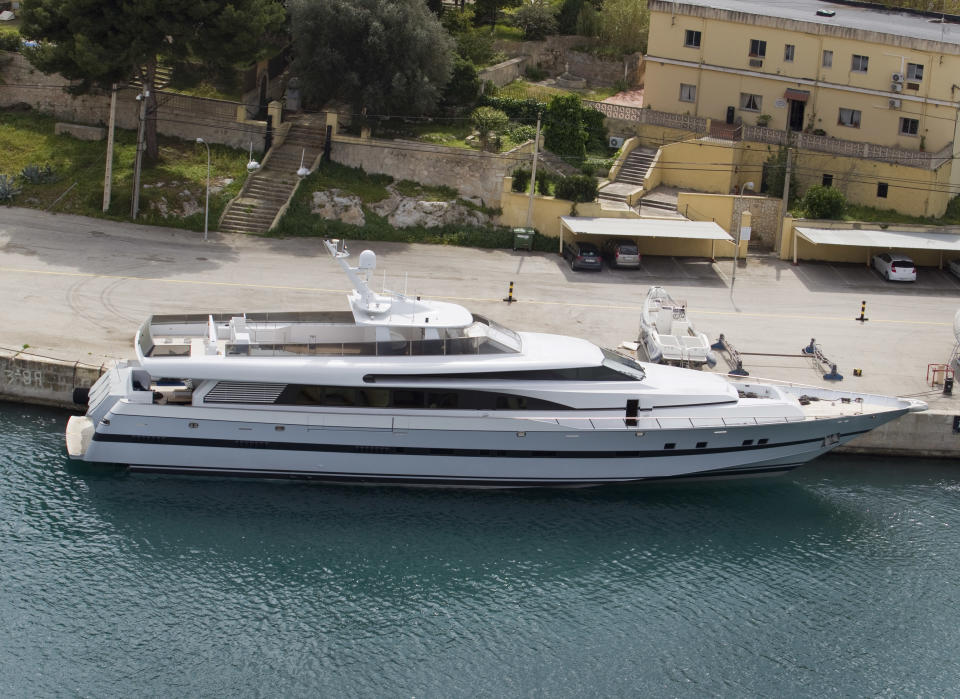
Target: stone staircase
(267,190)
(631,175)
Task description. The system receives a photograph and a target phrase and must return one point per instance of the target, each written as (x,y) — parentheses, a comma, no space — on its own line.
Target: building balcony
(716,128)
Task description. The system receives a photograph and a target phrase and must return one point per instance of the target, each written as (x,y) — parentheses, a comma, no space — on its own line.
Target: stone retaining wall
(472,173)
(504,73)
(179,116)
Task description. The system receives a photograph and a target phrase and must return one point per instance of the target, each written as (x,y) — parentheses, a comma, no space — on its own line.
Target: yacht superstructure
(405,390)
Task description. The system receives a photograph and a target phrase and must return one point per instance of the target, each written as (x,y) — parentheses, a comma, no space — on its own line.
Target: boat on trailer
(668,336)
(404,390)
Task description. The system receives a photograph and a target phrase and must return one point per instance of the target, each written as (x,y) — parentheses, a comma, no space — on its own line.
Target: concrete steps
(267,190)
(636,166)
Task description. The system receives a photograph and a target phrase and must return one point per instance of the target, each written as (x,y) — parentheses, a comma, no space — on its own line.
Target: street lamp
(206,206)
(736,245)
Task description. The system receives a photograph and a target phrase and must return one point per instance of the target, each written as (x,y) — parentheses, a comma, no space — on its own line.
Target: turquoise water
(841,579)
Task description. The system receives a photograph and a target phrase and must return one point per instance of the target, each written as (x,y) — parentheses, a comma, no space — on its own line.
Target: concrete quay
(76,289)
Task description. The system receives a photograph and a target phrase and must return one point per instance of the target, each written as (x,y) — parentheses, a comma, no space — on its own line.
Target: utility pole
(533,174)
(138,164)
(108,171)
(786,200)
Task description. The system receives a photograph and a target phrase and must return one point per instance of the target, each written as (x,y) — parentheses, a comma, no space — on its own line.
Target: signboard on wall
(780,103)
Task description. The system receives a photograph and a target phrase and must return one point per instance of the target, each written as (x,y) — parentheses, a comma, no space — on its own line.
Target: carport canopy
(878,239)
(642,228)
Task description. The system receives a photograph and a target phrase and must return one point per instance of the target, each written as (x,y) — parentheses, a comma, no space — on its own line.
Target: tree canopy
(108,41)
(386,57)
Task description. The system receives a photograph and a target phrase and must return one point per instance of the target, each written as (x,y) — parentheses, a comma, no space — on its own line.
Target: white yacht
(404,390)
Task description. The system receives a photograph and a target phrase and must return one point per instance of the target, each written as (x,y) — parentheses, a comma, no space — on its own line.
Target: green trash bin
(523,238)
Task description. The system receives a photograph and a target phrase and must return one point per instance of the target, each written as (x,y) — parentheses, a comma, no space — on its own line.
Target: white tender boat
(403,390)
(667,334)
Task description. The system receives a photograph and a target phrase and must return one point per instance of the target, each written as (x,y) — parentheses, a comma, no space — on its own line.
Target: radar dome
(367,260)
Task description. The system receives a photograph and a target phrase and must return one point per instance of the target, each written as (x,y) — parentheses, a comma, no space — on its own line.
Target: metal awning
(644,228)
(859,237)
(796,95)
(878,239)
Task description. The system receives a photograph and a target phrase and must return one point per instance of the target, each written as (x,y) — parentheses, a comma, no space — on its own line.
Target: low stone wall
(504,73)
(26,378)
(179,116)
(764,219)
(603,71)
(472,173)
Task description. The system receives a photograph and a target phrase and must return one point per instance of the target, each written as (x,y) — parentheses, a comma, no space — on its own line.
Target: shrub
(488,120)
(8,189)
(597,134)
(577,188)
(536,19)
(535,73)
(521,133)
(824,202)
(543,182)
(9,41)
(525,110)
(521,180)
(462,91)
(34,174)
(589,168)
(475,46)
(564,131)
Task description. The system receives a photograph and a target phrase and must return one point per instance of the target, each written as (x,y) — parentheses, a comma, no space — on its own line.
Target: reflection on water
(838,578)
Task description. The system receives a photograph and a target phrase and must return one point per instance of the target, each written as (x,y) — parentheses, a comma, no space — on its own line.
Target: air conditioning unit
(896,87)
(894,103)
(616,141)
(897,77)
(756,63)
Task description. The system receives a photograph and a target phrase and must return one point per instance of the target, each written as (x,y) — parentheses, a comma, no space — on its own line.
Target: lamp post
(206,206)
(736,245)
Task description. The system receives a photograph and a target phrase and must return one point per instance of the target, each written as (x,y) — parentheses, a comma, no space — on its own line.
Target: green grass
(425,192)
(370,188)
(521,89)
(28,138)
(507,32)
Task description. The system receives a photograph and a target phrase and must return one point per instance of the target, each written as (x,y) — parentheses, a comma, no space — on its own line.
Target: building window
(914,72)
(758,49)
(849,117)
(691,39)
(909,127)
(788,52)
(828,59)
(859,63)
(750,103)
(827,180)
(882,190)
(688,93)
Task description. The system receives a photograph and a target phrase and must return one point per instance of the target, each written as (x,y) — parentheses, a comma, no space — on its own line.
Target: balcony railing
(762,134)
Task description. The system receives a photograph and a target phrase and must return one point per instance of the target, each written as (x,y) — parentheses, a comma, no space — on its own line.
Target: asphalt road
(76,289)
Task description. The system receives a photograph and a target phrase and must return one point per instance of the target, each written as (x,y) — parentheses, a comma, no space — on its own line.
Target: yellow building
(856,83)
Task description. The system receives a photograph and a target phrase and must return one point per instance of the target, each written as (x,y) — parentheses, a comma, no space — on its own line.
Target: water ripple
(838,580)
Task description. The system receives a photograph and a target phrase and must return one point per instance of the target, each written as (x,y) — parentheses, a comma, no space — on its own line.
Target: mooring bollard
(863,310)
(510,298)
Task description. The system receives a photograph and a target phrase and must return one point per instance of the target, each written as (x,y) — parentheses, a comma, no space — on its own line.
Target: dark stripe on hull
(441,451)
(407,480)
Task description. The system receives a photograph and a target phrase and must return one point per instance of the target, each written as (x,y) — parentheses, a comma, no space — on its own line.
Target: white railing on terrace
(797,139)
(686,122)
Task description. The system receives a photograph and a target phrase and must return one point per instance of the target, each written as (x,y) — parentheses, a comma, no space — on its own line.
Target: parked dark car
(621,252)
(582,255)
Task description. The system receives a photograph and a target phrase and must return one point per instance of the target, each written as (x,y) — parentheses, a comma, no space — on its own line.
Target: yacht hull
(406,450)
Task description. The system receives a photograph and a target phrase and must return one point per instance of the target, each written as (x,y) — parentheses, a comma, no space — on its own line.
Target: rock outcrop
(399,210)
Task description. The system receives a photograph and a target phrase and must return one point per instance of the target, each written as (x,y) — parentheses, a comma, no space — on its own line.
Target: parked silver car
(621,252)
